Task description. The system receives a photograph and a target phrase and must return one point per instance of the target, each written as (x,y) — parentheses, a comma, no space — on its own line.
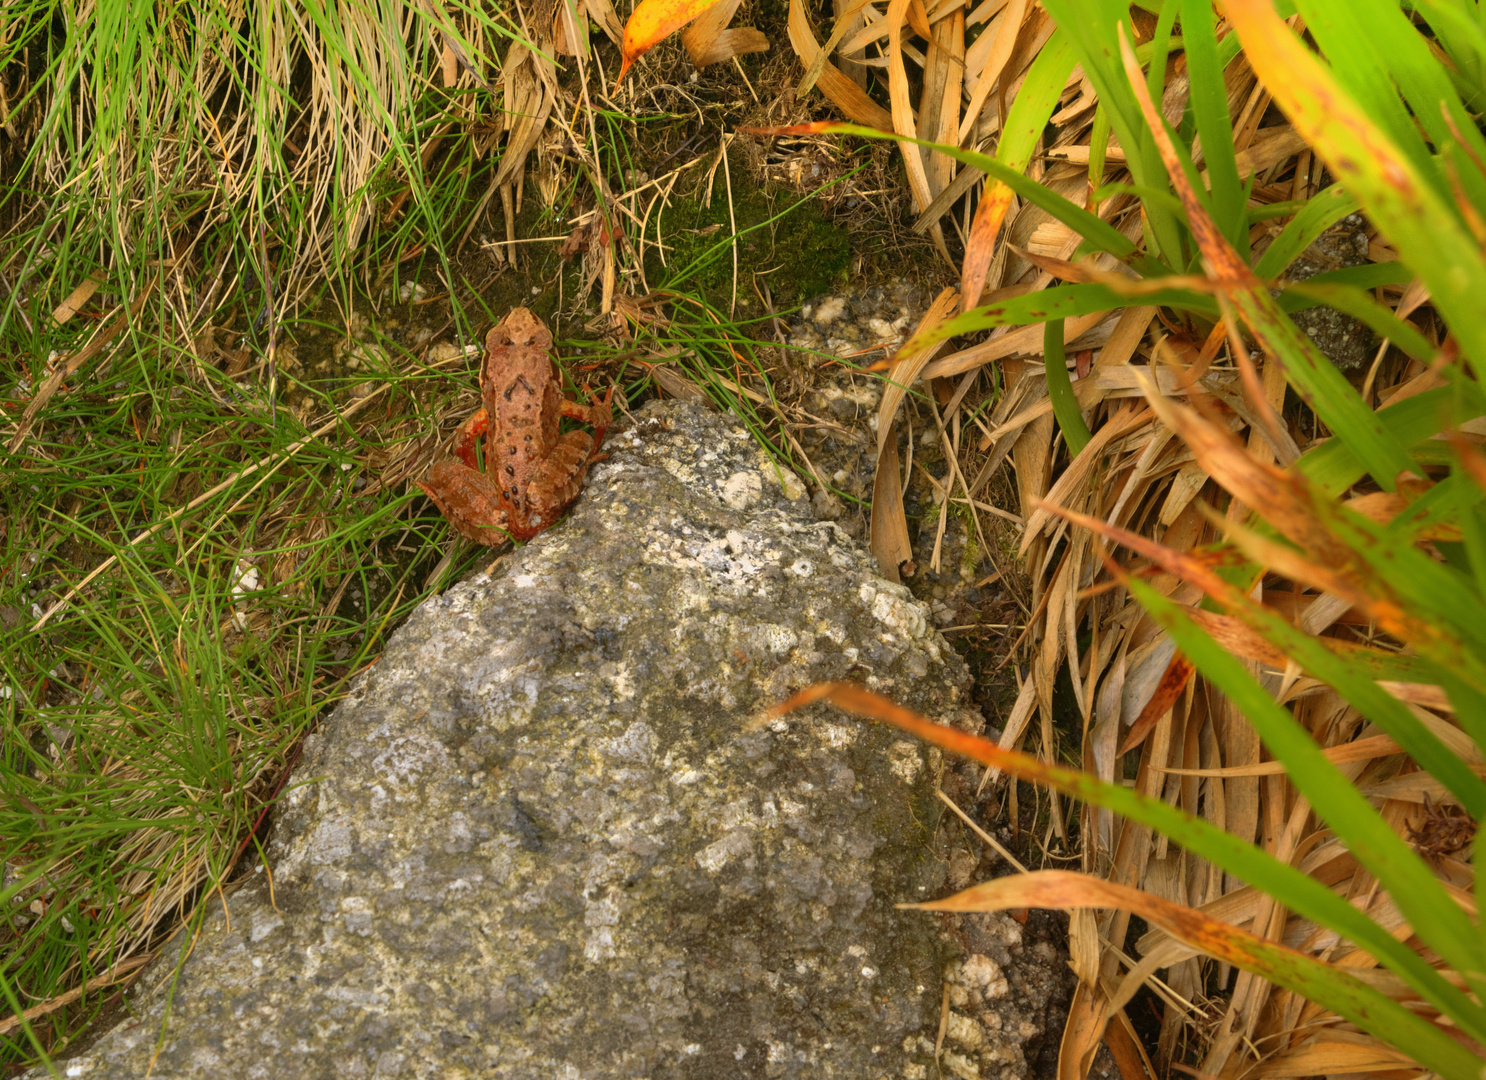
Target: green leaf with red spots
(1339,990)
(1402,189)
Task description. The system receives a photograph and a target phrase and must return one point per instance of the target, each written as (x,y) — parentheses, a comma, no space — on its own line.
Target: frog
(533,471)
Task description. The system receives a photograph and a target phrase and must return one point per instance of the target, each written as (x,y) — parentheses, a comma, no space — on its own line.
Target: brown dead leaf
(839,90)
(890,542)
(1178,673)
(709,41)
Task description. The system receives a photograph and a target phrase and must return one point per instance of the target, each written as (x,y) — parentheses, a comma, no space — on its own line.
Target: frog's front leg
(469,437)
(600,416)
(474,507)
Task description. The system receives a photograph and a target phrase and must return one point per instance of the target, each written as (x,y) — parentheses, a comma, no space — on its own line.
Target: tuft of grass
(226,568)
(214,150)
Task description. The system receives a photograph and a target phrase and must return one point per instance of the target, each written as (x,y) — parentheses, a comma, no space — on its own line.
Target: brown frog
(533,473)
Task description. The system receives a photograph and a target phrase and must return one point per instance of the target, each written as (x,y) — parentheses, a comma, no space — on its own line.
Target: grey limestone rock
(1343,340)
(540,839)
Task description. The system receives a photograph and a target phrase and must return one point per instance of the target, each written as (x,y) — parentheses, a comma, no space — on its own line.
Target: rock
(540,839)
(1008,996)
(1346,342)
(857,321)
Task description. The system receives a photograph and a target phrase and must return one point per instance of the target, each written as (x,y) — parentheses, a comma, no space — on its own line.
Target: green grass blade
(1098,147)
(1060,389)
(1436,596)
(1457,26)
(1321,212)
(1366,276)
(1058,302)
(1434,916)
(1352,36)
(1209,102)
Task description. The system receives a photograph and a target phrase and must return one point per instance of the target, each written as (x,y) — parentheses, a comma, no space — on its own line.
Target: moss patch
(789,242)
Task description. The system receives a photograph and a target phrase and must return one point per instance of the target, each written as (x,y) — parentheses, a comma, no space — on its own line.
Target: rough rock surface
(857,323)
(1346,342)
(540,839)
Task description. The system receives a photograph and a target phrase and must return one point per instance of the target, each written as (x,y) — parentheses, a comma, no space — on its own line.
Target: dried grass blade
(1016,724)
(839,90)
(1074,479)
(980,248)
(77,298)
(813,69)
(944,76)
(904,121)
(1333,1057)
(120,971)
(906,371)
(1129,1053)
(1381,709)
(1022,341)
(995,66)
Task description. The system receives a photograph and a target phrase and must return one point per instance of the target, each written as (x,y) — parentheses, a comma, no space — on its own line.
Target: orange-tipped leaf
(652,22)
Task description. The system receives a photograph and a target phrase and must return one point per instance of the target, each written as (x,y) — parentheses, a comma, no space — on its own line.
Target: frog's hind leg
(474,507)
(560,478)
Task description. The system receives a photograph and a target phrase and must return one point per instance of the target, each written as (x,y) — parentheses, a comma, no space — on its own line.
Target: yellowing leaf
(651,22)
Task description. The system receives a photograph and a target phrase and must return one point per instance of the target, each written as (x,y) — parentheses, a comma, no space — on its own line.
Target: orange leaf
(1172,683)
(989,216)
(651,22)
(1065,889)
